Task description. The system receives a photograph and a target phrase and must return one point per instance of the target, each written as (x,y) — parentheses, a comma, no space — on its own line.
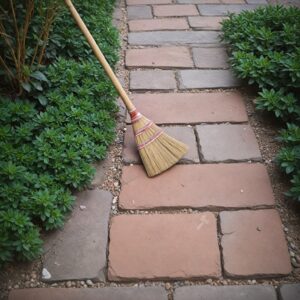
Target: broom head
(157,150)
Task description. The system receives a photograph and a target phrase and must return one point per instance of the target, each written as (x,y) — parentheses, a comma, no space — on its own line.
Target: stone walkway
(211,216)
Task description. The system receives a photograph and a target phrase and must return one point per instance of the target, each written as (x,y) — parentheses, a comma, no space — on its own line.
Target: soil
(28,275)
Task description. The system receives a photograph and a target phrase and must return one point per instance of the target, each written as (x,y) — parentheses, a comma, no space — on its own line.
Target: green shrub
(46,150)
(265,50)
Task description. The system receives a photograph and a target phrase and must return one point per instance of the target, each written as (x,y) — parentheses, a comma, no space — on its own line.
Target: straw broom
(158,150)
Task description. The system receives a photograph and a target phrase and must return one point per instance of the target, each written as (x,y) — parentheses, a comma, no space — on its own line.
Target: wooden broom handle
(100,56)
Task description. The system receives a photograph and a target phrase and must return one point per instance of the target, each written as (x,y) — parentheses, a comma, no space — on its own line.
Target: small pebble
(295,263)
(68,284)
(16,286)
(82,207)
(209,281)
(293,246)
(168,286)
(292,253)
(114,200)
(285,229)
(89,282)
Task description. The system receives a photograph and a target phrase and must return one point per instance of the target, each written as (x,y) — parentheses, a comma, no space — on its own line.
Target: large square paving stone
(198,186)
(191,108)
(227,142)
(254,244)
(183,133)
(163,246)
(243,292)
(210,58)
(78,251)
(109,293)
(198,79)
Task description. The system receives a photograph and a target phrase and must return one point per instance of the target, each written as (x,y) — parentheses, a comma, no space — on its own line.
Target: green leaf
(39,76)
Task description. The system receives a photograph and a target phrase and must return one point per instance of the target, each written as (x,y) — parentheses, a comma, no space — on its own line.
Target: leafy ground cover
(265,50)
(57,112)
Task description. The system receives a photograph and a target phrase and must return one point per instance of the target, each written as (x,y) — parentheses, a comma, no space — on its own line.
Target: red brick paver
(108,293)
(161,246)
(175,10)
(158,24)
(192,108)
(179,57)
(209,185)
(253,243)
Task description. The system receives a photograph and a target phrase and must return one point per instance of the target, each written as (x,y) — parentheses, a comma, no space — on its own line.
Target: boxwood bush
(49,138)
(265,50)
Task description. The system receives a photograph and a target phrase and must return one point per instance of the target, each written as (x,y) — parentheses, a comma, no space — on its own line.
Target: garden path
(212,216)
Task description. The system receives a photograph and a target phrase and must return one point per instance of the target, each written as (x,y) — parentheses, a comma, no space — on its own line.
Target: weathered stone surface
(101,168)
(152,80)
(139,12)
(79,250)
(226,142)
(159,57)
(173,37)
(143,2)
(223,10)
(184,134)
(197,107)
(163,246)
(253,243)
(198,1)
(290,291)
(206,23)
(107,293)
(257,1)
(210,58)
(193,79)
(233,1)
(158,24)
(175,10)
(207,185)
(243,292)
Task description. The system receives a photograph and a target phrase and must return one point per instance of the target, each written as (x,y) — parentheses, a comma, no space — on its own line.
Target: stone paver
(197,79)
(223,10)
(197,107)
(257,1)
(159,57)
(254,244)
(175,10)
(158,24)
(244,292)
(206,23)
(184,134)
(233,2)
(290,291)
(209,185)
(143,2)
(173,37)
(227,142)
(210,58)
(139,12)
(79,250)
(198,1)
(152,80)
(163,246)
(109,293)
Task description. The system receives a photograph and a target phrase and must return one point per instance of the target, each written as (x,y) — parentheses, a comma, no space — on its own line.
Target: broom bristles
(158,150)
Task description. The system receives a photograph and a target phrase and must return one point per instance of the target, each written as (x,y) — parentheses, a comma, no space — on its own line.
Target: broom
(157,150)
